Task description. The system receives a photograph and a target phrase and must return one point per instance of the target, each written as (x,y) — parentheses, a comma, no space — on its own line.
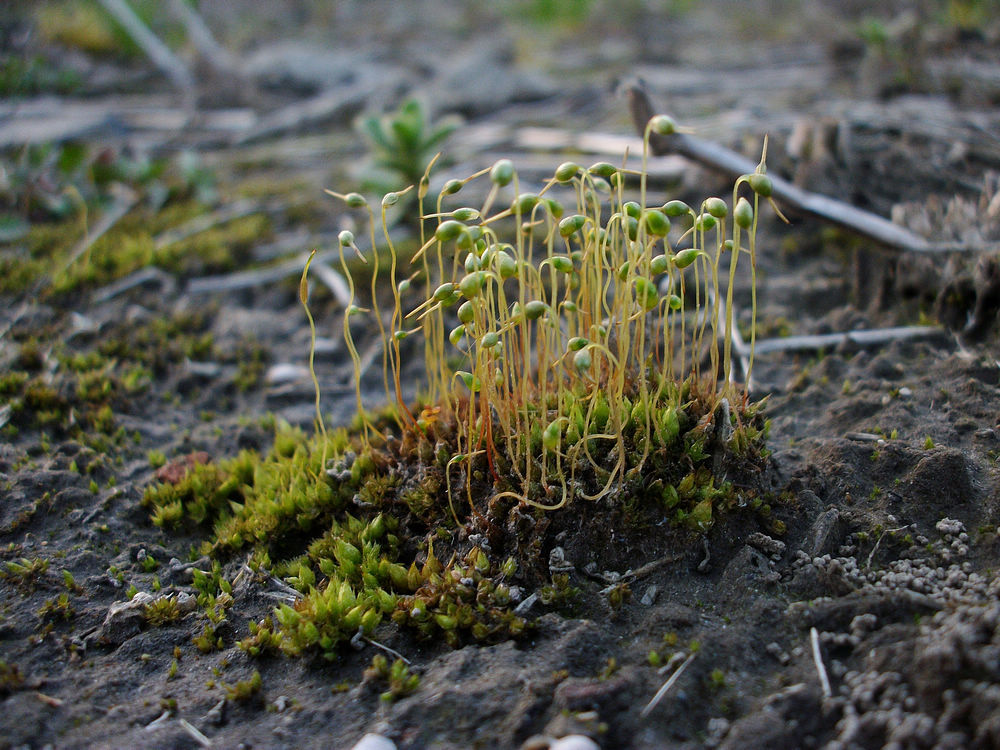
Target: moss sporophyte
(579,361)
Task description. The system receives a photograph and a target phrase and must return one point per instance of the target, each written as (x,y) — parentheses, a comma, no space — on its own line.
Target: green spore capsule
(561,263)
(576,343)
(505,265)
(489,340)
(471,284)
(716,207)
(465,214)
(552,435)
(455,336)
(464,240)
(451,300)
(448,230)
(603,169)
(468,237)
(659,264)
(623,270)
(674,209)
(631,227)
(567,171)
(646,294)
(502,172)
(535,309)
(570,306)
(597,236)
(444,291)
(705,222)
(633,209)
(346,238)
(685,258)
(355,200)
(572,224)
(663,125)
(743,214)
(471,382)
(467,312)
(555,207)
(761,184)
(674,302)
(657,223)
(400,335)
(451,187)
(404,286)
(471,262)
(390,199)
(582,360)
(524,203)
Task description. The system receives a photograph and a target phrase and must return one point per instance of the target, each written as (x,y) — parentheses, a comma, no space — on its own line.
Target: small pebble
(650,595)
(285,372)
(374,742)
(574,742)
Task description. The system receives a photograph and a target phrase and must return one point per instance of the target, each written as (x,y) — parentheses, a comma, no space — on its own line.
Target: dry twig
(733,165)
(666,687)
(870,337)
(194,733)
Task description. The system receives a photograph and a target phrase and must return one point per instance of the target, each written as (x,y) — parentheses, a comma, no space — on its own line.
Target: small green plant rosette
(403,143)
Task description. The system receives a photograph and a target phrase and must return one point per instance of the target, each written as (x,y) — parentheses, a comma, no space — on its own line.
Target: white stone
(374,742)
(574,742)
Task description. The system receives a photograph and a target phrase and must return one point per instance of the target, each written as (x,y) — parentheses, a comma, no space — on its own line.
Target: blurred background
(110,105)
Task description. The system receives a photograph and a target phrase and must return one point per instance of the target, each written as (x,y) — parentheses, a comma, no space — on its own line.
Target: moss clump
(130,246)
(72,404)
(245,690)
(397,677)
(57,608)
(26,573)
(162,342)
(202,494)
(471,595)
(162,611)
(11,678)
(581,376)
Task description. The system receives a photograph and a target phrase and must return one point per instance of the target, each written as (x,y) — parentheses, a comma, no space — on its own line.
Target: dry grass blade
(157,51)
(666,686)
(824,680)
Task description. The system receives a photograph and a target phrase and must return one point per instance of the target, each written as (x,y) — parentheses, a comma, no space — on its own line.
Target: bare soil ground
(861,612)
